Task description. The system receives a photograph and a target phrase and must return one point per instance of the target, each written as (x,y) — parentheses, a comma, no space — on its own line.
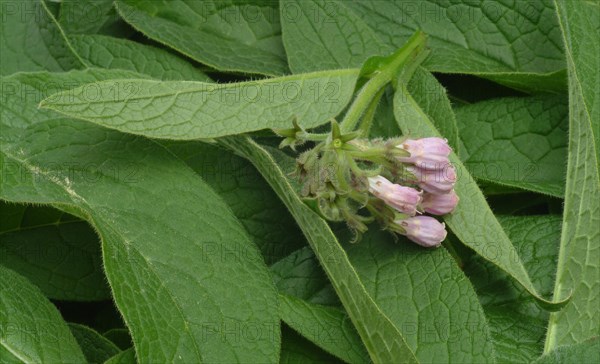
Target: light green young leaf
(472,221)
(583,352)
(31,328)
(117,53)
(477,38)
(31,40)
(517,324)
(425,295)
(95,347)
(82,166)
(67,266)
(518,142)
(228,35)
(328,327)
(381,338)
(579,257)
(193,110)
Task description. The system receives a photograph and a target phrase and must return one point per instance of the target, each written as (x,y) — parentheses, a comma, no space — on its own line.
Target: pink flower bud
(439,204)
(439,181)
(424,230)
(426,153)
(403,199)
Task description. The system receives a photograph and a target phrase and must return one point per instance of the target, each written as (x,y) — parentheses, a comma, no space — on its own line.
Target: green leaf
(425,295)
(31,328)
(518,142)
(579,257)
(193,110)
(31,40)
(124,357)
(181,281)
(67,266)
(472,221)
(22,92)
(95,347)
(328,327)
(230,35)
(381,338)
(584,352)
(320,35)
(87,16)
(300,275)
(250,198)
(489,37)
(517,324)
(116,53)
(297,350)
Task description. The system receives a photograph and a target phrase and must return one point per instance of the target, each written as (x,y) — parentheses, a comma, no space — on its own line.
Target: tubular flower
(426,153)
(424,230)
(439,181)
(404,199)
(439,204)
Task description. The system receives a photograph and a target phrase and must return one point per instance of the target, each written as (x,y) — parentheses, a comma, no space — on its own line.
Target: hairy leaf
(193,110)
(95,347)
(116,53)
(579,257)
(31,40)
(31,328)
(229,35)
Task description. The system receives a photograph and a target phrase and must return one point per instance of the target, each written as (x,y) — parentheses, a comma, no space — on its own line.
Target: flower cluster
(394,181)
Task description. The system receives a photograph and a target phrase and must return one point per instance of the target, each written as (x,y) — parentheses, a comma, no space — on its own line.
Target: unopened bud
(439,204)
(404,199)
(424,230)
(426,153)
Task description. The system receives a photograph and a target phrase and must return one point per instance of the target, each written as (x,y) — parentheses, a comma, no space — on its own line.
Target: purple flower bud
(424,230)
(426,153)
(439,204)
(439,181)
(403,199)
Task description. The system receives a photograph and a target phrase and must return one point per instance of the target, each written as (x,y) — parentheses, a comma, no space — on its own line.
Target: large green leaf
(184,280)
(31,328)
(193,110)
(328,327)
(116,53)
(229,35)
(518,142)
(67,266)
(518,326)
(95,347)
(382,339)
(479,37)
(579,257)
(472,221)
(31,40)
(297,350)
(426,296)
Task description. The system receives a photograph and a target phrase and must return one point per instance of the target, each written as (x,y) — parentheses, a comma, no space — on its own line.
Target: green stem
(367,120)
(374,85)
